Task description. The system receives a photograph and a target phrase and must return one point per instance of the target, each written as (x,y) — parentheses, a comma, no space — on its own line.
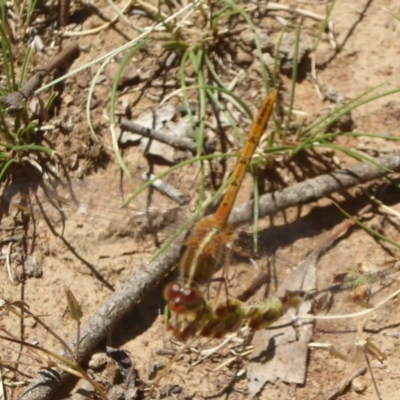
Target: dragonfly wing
(89,216)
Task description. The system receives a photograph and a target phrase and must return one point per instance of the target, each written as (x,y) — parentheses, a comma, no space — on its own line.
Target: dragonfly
(191,314)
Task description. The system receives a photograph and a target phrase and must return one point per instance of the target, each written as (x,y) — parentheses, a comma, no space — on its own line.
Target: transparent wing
(90,202)
(93,216)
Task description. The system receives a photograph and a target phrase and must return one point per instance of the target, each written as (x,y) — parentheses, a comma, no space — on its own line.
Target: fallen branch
(132,292)
(13,101)
(316,188)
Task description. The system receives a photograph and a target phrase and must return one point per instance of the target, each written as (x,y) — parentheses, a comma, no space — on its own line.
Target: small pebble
(98,361)
(359,385)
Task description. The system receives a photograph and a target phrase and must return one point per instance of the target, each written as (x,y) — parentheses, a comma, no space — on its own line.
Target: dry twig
(316,188)
(181,143)
(13,101)
(64,11)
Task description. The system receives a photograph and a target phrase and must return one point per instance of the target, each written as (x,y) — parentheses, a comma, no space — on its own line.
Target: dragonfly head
(183,299)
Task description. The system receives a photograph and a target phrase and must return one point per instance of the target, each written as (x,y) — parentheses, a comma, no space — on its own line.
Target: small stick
(299,11)
(317,188)
(181,143)
(166,189)
(13,101)
(64,11)
(134,289)
(8,263)
(101,27)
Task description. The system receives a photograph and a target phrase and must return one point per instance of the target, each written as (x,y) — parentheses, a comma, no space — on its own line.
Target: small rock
(264,40)
(68,99)
(269,61)
(83,79)
(247,37)
(122,108)
(358,385)
(33,265)
(84,392)
(334,95)
(117,392)
(243,58)
(100,79)
(128,75)
(37,109)
(287,50)
(98,361)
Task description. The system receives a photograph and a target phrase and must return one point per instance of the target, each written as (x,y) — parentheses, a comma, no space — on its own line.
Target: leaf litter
(282,353)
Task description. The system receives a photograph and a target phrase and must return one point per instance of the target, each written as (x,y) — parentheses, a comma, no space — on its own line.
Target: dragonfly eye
(183,299)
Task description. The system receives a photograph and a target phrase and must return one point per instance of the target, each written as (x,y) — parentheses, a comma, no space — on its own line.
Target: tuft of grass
(16,128)
(41,356)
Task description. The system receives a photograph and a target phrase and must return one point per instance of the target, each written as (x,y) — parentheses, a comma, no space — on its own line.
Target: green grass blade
(364,227)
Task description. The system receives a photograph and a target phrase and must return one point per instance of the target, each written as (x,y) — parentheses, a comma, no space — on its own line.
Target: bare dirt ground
(96,254)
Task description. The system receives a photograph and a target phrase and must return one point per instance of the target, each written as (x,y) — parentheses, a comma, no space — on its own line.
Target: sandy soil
(94,251)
